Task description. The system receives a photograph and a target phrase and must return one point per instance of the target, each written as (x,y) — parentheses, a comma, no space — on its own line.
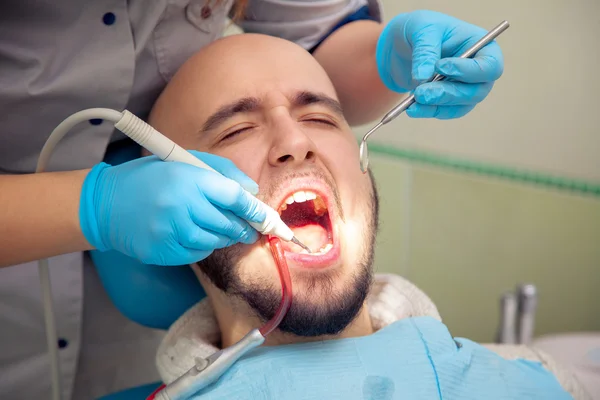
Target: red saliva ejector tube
(206,371)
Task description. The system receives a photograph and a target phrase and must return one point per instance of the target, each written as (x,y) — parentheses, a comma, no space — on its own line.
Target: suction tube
(286,296)
(286,286)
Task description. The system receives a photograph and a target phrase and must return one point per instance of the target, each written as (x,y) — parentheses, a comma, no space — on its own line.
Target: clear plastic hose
(50,323)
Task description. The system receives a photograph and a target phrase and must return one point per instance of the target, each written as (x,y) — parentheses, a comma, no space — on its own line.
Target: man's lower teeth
(323,250)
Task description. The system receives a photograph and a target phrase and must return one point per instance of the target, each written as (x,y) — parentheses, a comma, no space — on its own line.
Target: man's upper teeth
(300,197)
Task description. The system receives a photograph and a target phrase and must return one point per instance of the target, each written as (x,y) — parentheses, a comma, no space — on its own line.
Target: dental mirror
(364,157)
(364,150)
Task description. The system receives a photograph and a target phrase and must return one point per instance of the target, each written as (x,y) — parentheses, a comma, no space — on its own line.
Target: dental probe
(167,150)
(410,100)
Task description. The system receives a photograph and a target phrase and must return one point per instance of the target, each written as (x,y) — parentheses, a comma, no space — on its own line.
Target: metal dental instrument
(400,108)
(299,243)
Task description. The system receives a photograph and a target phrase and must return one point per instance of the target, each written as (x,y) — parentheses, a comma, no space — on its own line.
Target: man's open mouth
(307,214)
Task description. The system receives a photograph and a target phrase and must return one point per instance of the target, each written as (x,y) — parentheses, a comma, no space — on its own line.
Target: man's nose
(291,145)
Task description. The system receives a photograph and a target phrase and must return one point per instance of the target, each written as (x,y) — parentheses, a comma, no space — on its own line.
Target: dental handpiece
(167,150)
(410,100)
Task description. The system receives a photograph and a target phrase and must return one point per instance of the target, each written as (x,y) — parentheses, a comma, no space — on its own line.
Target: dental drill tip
(299,243)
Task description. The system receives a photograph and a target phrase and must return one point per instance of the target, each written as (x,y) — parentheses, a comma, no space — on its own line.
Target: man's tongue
(313,235)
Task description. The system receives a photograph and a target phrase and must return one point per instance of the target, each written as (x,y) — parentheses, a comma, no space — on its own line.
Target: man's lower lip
(315,261)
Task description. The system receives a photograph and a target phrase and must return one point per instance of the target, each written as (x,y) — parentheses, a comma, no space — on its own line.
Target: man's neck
(233,331)
(236,320)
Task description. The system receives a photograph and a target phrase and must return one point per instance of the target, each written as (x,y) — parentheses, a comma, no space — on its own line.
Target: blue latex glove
(414,358)
(168,213)
(415,46)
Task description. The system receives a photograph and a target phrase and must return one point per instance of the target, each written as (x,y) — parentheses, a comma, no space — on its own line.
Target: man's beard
(336,310)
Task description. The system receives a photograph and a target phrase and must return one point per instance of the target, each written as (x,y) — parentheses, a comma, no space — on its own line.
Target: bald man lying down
(268,106)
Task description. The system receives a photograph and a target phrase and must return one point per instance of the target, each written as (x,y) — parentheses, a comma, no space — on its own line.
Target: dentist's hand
(168,213)
(415,46)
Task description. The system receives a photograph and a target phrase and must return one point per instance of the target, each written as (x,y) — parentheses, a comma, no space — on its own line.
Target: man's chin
(323,315)
(317,285)
(325,302)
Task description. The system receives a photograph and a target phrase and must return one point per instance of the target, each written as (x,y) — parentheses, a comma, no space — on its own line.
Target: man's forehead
(248,104)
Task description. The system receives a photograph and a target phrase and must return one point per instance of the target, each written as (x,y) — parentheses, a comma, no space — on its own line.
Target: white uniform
(59,57)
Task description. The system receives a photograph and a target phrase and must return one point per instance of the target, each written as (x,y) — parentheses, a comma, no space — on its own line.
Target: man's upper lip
(311,184)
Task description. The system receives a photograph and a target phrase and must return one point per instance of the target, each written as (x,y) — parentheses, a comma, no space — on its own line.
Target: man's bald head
(254,62)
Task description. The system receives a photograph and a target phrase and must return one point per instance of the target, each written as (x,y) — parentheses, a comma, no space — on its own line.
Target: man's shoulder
(562,374)
(393,298)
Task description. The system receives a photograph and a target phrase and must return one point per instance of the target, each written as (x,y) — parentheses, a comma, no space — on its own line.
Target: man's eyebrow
(244,105)
(250,104)
(306,98)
